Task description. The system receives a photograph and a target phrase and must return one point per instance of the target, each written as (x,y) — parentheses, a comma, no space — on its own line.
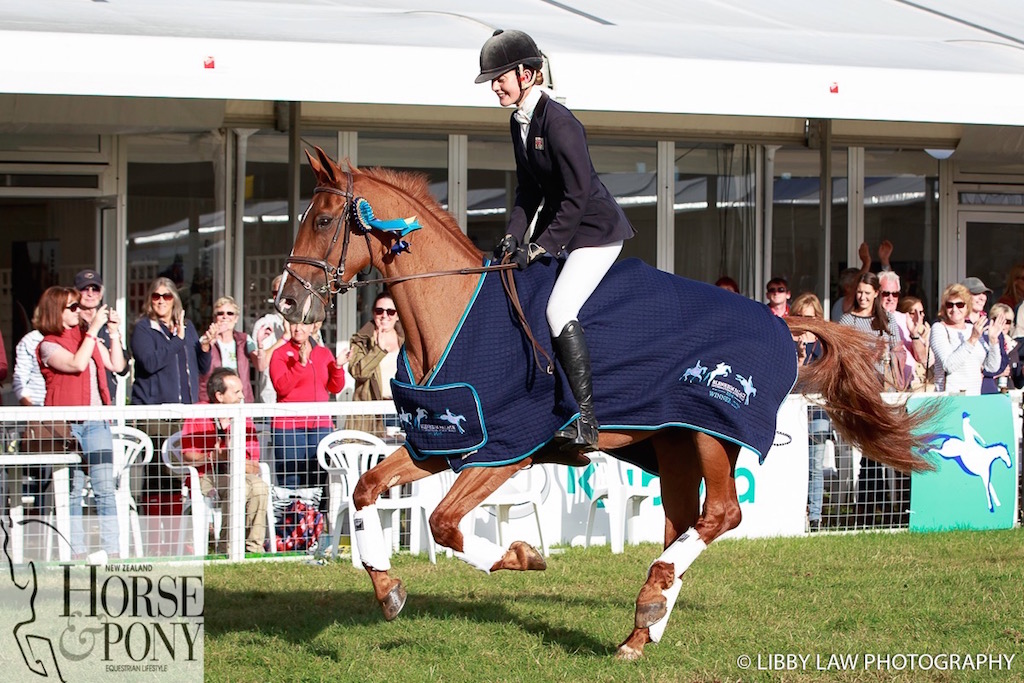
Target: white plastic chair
(345,454)
(201,510)
(526,487)
(131,447)
(619,485)
(196,507)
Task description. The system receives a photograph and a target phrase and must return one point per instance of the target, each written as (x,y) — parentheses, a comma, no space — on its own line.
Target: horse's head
(325,255)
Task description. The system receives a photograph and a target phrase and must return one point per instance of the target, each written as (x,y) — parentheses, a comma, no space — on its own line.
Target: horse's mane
(416,186)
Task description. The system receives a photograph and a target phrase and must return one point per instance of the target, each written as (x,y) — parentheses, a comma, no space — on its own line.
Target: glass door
(989,245)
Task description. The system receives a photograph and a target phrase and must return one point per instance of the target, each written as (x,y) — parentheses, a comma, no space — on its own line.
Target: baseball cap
(87,277)
(975,285)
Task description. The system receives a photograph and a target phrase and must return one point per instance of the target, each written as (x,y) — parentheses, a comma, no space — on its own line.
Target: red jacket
(294,383)
(72,389)
(199,434)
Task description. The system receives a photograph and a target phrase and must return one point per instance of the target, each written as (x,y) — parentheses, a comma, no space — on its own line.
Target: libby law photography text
(868,661)
(80,622)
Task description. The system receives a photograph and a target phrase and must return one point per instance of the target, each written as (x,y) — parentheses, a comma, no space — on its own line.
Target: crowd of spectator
(75,355)
(966,347)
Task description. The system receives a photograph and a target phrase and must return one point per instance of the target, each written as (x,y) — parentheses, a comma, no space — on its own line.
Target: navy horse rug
(665,351)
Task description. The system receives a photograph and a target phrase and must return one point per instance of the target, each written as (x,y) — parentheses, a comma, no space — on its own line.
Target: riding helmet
(504,51)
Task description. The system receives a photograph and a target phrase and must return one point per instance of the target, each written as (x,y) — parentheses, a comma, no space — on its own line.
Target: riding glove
(526,255)
(506,247)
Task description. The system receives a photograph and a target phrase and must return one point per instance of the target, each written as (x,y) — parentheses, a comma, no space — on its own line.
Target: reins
(335,284)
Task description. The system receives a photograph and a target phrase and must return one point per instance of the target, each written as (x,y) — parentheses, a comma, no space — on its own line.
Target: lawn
(793,607)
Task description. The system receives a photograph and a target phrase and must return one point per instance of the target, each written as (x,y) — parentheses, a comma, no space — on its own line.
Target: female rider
(580,221)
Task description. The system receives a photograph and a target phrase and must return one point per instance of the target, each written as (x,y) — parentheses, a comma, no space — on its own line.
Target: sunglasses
(894,295)
(90,288)
(73,307)
(384,311)
(955,304)
(777,290)
(230,314)
(166,296)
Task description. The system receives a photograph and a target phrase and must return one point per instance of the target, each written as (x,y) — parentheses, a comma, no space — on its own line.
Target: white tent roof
(927,61)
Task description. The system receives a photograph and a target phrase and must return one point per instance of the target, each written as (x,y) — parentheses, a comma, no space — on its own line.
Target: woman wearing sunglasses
(169,358)
(963,350)
(374,360)
(73,363)
(920,335)
(230,348)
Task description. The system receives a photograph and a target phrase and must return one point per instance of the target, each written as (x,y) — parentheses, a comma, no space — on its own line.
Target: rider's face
(506,87)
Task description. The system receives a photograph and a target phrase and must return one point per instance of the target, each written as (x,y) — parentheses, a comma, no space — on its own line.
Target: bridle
(334,282)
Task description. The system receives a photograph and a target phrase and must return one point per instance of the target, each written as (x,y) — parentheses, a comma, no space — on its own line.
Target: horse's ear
(322,167)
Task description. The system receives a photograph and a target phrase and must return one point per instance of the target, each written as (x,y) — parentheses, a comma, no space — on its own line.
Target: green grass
(878,594)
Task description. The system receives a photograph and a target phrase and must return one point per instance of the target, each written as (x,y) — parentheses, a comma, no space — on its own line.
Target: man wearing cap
(979,297)
(90,289)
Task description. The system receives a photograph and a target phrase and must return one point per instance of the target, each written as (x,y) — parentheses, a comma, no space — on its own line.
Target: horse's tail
(848,381)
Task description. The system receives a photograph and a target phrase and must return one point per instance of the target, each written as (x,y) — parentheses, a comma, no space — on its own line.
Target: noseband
(334,282)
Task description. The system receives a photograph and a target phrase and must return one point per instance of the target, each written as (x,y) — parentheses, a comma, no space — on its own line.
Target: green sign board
(974,485)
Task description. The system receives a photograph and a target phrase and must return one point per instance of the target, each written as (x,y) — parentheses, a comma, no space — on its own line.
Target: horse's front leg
(469,490)
(398,468)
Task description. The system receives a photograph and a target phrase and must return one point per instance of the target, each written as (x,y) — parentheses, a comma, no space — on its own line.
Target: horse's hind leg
(398,468)
(470,489)
(682,461)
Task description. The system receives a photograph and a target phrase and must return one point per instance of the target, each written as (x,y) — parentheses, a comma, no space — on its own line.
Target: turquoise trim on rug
(458,328)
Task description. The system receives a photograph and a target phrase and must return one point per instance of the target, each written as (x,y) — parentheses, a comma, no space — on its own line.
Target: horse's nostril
(284,304)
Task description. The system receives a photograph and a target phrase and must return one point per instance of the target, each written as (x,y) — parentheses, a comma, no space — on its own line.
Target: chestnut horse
(333,245)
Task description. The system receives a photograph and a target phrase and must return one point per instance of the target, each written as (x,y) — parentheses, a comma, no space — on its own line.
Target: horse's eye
(323,221)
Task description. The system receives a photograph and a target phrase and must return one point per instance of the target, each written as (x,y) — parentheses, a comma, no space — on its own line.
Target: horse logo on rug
(405,417)
(694,373)
(975,457)
(421,413)
(451,418)
(722,370)
(748,387)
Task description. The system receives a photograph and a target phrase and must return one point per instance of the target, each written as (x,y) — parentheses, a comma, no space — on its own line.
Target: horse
(433,271)
(975,457)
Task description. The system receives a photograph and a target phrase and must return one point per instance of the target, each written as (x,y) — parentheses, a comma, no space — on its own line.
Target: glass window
(715,213)
(268,229)
(427,155)
(44,242)
(901,204)
(628,170)
(797,235)
(175,220)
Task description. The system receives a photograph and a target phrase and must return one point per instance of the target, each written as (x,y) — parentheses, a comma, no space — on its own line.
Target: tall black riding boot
(571,348)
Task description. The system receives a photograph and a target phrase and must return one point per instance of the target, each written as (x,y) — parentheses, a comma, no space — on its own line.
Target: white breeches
(582,273)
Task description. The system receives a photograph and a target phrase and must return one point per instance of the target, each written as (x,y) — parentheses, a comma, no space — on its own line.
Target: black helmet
(504,51)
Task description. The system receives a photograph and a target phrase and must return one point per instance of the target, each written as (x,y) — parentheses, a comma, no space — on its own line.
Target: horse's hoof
(393,602)
(650,613)
(626,653)
(528,558)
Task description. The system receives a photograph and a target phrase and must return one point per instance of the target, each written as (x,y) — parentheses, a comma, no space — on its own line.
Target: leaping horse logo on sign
(975,457)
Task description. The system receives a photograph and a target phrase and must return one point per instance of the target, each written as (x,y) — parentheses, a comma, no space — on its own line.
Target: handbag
(48,437)
(894,370)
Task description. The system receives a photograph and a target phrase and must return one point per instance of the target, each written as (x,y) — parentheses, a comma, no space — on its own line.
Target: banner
(974,450)
(773,496)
